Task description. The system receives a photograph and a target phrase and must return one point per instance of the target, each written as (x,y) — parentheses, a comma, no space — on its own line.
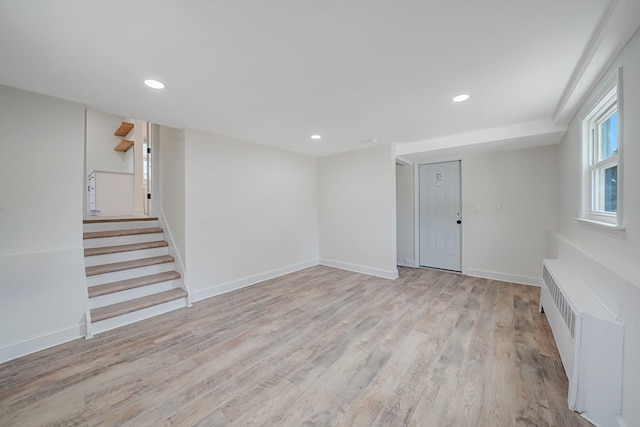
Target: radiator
(590,342)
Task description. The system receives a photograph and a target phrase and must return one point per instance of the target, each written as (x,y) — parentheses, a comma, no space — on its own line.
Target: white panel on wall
(172,182)
(111,192)
(357,209)
(250,211)
(44,300)
(41,205)
(41,172)
(515,196)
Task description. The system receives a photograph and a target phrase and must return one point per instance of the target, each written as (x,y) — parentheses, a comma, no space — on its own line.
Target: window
(603,158)
(602,152)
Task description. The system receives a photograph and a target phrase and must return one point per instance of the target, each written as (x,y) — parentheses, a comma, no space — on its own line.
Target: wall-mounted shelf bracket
(124,145)
(124,129)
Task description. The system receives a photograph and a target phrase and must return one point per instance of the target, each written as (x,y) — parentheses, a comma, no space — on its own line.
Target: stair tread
(109,311)
(104,220)
(136,282)
(126,265)
(115,233)
(124,248)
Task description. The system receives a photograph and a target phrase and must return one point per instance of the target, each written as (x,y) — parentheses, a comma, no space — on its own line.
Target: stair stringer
(178,263)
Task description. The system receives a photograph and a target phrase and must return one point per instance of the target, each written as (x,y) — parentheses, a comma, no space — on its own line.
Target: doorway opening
(118,166)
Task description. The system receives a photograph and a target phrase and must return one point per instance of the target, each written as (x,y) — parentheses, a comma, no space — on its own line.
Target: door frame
(153,133)
(416,209)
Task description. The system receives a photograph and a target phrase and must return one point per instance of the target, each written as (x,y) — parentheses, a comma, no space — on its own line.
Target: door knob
(459,221)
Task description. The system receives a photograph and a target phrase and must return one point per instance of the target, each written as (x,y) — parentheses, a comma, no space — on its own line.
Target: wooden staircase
(130,274)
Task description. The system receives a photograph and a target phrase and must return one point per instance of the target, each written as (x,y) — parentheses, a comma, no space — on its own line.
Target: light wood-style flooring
(318,347)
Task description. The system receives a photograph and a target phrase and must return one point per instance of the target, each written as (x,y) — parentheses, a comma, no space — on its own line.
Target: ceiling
(276,72)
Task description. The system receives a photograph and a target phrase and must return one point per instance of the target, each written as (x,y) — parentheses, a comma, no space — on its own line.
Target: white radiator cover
(590,342)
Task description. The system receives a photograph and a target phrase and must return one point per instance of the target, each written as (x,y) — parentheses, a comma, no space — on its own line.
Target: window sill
(613,230)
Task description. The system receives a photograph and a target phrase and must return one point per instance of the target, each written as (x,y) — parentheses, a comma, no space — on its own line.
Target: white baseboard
(42,342)
(233,285)
(523,280)
(371,271)
(619,420)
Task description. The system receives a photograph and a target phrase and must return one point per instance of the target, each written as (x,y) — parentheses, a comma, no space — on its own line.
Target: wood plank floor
(317,347)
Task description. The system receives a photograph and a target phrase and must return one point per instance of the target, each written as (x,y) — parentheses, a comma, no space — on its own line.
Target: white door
(440,216)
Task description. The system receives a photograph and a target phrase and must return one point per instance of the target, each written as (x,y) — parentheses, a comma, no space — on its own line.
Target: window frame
(603,105)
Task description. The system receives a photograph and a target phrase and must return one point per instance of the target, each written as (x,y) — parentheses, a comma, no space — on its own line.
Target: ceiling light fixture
(154,84)
(315,137)
(461,98)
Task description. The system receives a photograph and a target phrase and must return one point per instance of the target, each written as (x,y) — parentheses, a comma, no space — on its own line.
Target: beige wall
(357,210)
(43,296)
(508,243)
(517,196)
(250,212)
(172,183)
(101,141)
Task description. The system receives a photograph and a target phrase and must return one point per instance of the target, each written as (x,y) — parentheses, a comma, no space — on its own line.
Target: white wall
(405,215)
(42,288)
(101,142)
(172,187)
(506,244)
(622,255)
(251,212)
(609,265)
(516,194)
(357,211)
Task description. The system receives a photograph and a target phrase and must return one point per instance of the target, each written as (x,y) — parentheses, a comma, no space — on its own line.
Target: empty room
(286,213)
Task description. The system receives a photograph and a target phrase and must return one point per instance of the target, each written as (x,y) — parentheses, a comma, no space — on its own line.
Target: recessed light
(461,98)
(315,136)
(154,84)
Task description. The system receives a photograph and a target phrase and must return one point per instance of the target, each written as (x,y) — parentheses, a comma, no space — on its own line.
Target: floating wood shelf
(124,145)
(124,129)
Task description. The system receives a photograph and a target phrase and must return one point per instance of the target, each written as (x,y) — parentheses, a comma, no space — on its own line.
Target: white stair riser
(90,261)
(100,279)
(109,226)
(126,319)
(122,240)
(127,295)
